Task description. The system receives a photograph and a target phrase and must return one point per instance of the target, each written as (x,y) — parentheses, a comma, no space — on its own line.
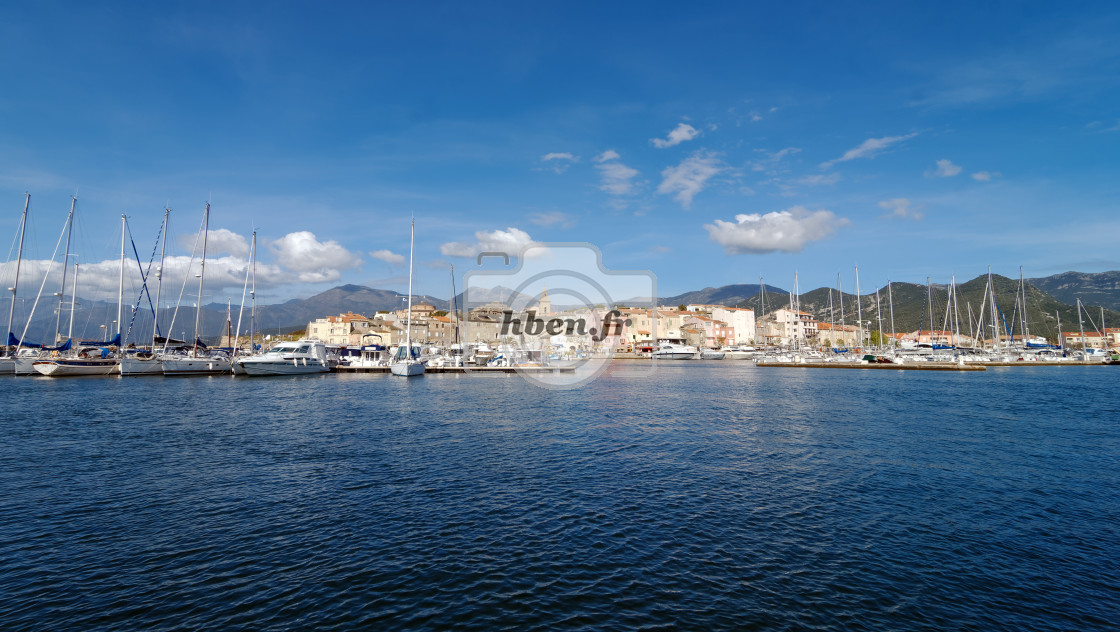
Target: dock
(462,369)
(911,366)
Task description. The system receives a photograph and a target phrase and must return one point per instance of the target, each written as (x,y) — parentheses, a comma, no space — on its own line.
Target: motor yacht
(288,358)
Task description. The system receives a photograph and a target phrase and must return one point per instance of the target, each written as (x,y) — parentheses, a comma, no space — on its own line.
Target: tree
(827,342)
(682,308)
(876,338)
(439,312)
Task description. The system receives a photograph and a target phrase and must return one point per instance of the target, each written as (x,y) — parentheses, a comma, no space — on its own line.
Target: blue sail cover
(115,342)
(1039,345)
(15,342)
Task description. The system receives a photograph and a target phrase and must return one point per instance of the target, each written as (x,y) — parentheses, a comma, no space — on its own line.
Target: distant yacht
(288,358)
(674,351)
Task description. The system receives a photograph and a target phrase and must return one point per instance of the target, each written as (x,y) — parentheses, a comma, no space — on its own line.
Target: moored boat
(674,351)
(89,361)
(288,358)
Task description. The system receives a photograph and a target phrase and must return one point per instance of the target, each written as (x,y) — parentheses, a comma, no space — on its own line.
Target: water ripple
(708,495)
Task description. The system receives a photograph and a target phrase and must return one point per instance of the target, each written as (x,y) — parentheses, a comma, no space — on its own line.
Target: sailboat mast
(890,300)
(1104,332)
(879,317)
(1061,338)
(956,313)
(929,310)
(408,321)
(859,309)
(831,315)
(454,313)
(65,263)
(159,279)
(840,291)
(201,276)
(73,302)
(120,286)
(19,259)
(241,310)
(797,310)
(995,310)
(253,294)
(1081,322)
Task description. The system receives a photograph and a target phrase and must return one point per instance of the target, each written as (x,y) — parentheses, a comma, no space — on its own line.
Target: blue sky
(711,146)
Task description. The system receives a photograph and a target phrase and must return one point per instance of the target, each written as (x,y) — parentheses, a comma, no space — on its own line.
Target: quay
(915,366)
(461,369)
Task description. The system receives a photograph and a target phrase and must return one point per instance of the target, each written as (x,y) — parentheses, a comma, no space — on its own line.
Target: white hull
(77,367)
(132,365)
(738,355)
(407,369)
(25,365)
(673,355)
(300,366)
(708,354)
(7,366)
(195,366)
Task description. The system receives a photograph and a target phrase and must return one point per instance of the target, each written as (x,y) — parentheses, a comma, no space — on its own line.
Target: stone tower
(544,305)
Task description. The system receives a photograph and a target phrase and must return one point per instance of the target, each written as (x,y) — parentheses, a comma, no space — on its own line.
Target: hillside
(1102,288)
(911,311)
(726,295)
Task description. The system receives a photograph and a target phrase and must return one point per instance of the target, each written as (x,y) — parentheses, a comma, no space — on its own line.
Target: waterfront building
(741,320)
(788,326)
(715,333)
(337,330)
(839,335)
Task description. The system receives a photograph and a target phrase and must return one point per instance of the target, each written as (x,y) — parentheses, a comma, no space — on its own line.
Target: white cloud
(755,117)
(945,169)
(218,242)
(868,148)
(781,231)
(617,178)
(552,219)
(312,261)
(560,156)
(300,259)
(900,207)
(561,160)
(387,256)
(689,177)
(680,134)
(224,241)
(510,241)
(985,176)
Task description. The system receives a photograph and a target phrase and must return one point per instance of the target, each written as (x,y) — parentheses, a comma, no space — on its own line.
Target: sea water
(706,495)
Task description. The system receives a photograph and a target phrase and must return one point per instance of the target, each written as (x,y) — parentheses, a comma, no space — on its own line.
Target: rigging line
(143,279)
(46,274)
(183,289)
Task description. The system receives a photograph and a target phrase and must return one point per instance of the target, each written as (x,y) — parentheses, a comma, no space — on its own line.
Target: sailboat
(7,361)
(27,353)
(250,270)
(198,361)
(405,363)
(98,357)
(148,362)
